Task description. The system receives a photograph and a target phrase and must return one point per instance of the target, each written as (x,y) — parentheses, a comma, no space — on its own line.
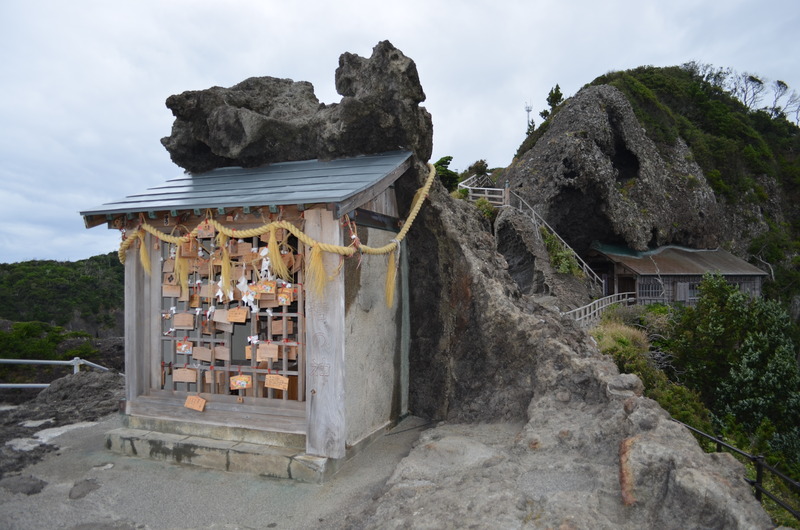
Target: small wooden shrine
(268,304)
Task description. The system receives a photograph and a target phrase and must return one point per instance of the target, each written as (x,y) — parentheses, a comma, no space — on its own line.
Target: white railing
(480,187)
(519,204)
(503,197)
(76,364)
(590,313)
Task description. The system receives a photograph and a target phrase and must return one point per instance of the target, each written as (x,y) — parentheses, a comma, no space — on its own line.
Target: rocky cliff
(595,175)
(265,119)
(540,429)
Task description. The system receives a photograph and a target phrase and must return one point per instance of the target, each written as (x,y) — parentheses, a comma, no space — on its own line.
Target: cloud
(84,83)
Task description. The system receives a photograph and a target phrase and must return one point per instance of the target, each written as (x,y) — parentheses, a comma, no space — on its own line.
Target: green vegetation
(562,259)
(739,353)
(37,340)
(738,130)
(633,354)
(448,177)
(56,291)
(727,366)
(486,208)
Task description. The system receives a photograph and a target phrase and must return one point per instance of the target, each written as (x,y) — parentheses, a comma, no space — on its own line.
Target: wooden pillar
(134,339)
(325,405)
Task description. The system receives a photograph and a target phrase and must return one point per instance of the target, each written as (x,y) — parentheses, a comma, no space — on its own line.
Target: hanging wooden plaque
(267,352)
(277,326)
(183,321)
(285,296)
(184,375)
(183,347)
(206,230)
(240,382)
(220,315)
(190,249)
(201,353)
(277,382)
(222,353)
(238,314)
(170,291)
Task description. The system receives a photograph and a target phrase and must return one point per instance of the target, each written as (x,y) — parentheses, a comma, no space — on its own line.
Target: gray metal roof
(346,183)
(675,260)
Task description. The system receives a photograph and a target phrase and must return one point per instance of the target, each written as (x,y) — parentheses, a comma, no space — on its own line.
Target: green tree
(739,354)
(448,177)
(479,168)
(554,99)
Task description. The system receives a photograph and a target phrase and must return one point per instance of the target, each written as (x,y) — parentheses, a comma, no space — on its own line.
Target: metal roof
(346,183)
(674,260)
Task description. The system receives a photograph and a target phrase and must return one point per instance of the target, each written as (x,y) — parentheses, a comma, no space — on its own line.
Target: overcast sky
(83,83)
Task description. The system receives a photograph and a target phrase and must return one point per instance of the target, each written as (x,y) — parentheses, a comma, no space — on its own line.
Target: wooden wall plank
(134,279)
(150,319)
(326,433)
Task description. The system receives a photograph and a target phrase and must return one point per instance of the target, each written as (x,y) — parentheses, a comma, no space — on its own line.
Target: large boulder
(595,175)
(264,119)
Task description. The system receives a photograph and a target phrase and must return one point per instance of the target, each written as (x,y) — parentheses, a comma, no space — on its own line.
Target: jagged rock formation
(265,119)
(577,445)
(482,349)
(595,175)
(529,265)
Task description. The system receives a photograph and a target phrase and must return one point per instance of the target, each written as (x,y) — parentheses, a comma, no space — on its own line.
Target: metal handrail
(76,364)
(506,196)
(538,221)
(594,310)
(760,465)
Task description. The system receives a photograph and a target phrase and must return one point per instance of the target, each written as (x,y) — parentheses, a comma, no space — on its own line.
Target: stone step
(224,455)
(217,429)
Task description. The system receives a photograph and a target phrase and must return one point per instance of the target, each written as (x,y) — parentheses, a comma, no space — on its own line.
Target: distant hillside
(738,133)
(85,295)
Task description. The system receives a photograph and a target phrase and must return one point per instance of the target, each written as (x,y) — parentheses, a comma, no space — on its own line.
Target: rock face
(529,265)
(265,119)
(76,398)
(542,429)
(595,175)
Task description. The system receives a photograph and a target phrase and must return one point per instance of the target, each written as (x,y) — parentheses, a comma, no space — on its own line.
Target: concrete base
(225,455)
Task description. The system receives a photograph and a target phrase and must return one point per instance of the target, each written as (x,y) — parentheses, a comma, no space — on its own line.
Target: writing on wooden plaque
(238,314)
(195,403)
(277,382)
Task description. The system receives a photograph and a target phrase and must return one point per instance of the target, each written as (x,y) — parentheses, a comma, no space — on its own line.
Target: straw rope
(272,227)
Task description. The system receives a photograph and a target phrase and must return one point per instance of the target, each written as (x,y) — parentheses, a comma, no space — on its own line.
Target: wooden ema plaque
(277,382)
(241,382)
(267,352)
(184,375)
(195,403)
(238,314)
(183,321)
(201,353)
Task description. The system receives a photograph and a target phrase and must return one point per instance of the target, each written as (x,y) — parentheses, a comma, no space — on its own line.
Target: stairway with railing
(479,186)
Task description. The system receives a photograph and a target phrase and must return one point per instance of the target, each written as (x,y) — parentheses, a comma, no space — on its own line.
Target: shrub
(486,208)
(562,259)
